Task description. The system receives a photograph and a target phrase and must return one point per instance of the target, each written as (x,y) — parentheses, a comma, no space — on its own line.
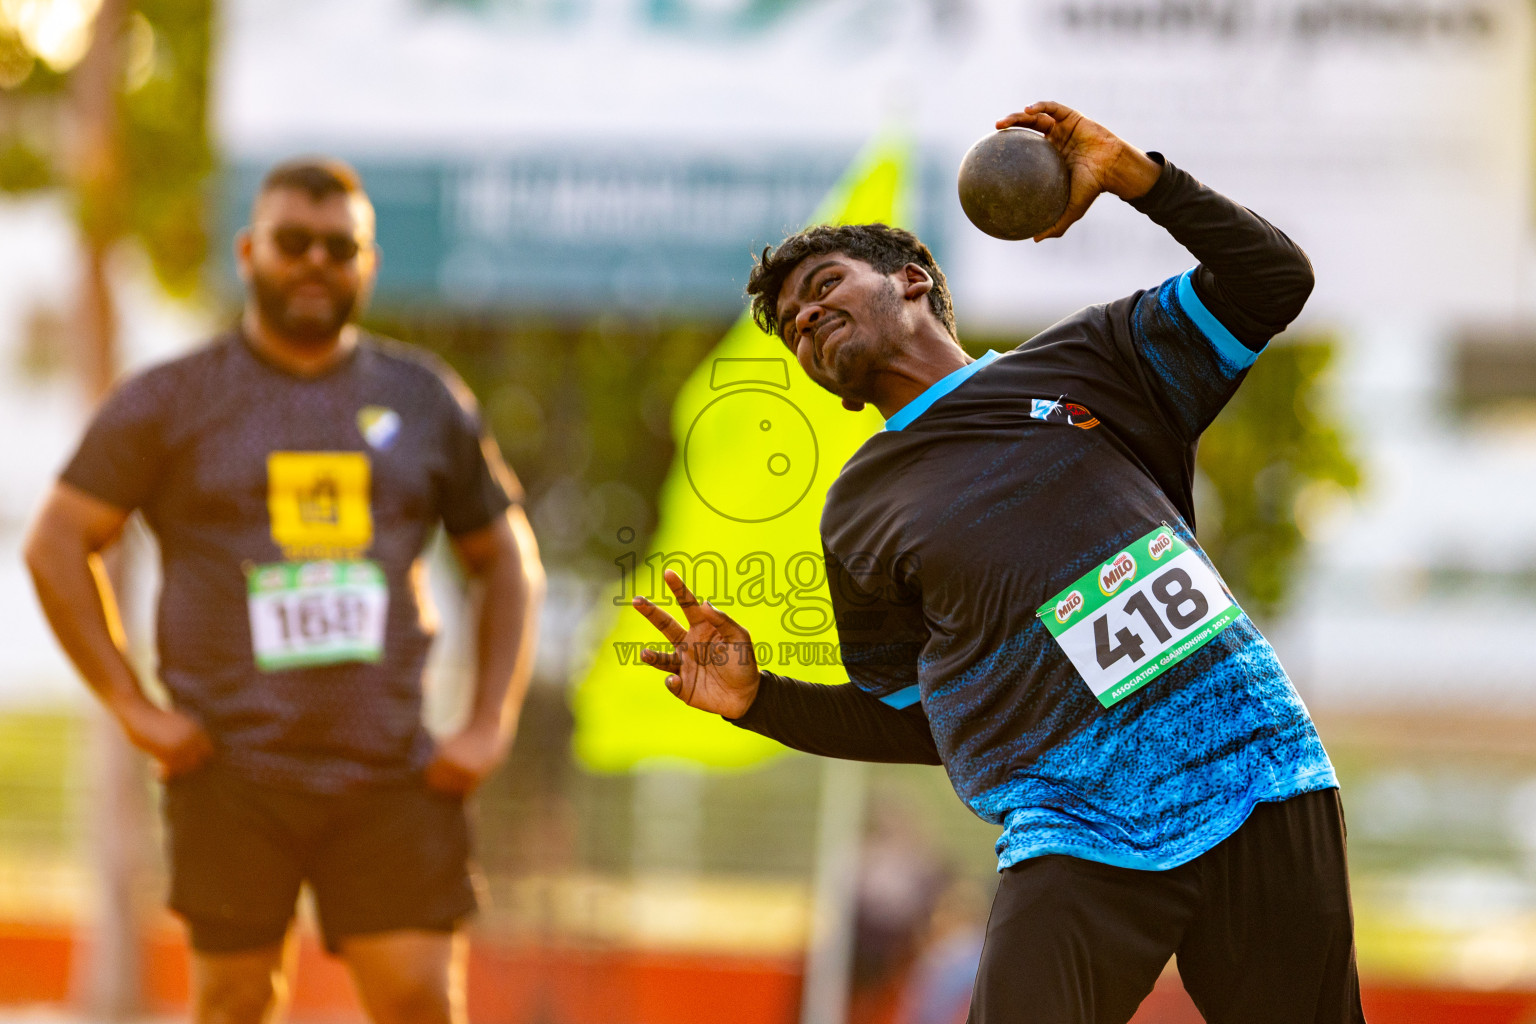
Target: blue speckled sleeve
(1199,332)
(1194,364)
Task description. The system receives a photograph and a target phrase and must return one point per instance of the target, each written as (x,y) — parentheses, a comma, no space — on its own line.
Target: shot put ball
(1013,184)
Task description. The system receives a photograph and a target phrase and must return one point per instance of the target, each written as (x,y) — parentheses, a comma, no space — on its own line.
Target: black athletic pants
(1261,926)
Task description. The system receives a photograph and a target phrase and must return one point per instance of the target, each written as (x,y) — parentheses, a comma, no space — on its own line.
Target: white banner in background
(1389,137)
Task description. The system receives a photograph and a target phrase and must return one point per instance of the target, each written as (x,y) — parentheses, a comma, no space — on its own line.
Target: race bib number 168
(1138,615)
(306,614)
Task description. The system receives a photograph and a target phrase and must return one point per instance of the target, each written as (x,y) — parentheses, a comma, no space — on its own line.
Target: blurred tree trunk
(96,166)
(107,971)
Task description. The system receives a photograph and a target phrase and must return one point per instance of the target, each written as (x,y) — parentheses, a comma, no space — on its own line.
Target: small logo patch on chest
(378,425)
(1058,410)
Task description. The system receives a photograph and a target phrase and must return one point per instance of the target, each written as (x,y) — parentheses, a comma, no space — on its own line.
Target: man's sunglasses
(295,243)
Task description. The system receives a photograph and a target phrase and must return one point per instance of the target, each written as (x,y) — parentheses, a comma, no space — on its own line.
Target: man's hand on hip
(176,741)
(462,761)
(1097,159)
(711,666)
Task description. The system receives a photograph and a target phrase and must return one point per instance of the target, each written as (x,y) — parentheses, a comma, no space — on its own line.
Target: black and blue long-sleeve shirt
(1003,484)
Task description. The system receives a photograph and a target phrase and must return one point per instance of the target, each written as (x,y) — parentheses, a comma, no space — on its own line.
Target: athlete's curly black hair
(885,248)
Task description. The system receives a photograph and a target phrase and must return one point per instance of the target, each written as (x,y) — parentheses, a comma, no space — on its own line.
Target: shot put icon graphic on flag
(758,473)
(757,446)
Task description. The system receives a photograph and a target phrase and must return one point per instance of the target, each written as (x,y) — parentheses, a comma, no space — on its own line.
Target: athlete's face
(843,320)
(308,263)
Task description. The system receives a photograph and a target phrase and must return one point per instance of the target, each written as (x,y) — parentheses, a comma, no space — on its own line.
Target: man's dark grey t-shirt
(236,463)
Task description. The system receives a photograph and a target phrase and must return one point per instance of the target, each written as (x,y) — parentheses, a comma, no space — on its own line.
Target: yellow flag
(758,445)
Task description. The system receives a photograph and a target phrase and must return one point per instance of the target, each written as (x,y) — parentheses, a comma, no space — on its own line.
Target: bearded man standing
(293,470)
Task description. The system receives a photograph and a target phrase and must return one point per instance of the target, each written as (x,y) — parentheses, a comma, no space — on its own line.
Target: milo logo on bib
(1116,572)
(1067,606)
(1160,546)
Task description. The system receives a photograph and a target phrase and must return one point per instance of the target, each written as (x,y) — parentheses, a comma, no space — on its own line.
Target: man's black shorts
(1261,926)
(377,859)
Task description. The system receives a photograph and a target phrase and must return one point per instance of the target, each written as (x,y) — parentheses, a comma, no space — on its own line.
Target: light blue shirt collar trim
(937,390)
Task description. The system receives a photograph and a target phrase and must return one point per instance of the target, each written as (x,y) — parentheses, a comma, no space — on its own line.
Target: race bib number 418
(1138,615)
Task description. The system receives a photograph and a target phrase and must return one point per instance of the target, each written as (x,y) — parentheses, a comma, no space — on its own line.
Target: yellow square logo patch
(319,503)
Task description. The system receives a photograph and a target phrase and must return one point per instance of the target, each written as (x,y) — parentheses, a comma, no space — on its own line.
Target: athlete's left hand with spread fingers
(711,666)
(1097,159)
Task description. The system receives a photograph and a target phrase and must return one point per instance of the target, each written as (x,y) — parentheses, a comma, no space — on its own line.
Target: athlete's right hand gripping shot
(1021,598)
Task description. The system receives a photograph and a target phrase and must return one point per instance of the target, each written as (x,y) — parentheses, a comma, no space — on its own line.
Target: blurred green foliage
(582,410)
(32,119)
(168,158)
(1274,441)
(24,167)
(162,200)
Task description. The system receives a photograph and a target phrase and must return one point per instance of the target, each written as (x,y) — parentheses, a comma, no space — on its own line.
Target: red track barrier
(528,985)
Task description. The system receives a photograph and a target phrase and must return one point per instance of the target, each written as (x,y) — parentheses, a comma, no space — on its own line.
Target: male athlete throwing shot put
(1021,598)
